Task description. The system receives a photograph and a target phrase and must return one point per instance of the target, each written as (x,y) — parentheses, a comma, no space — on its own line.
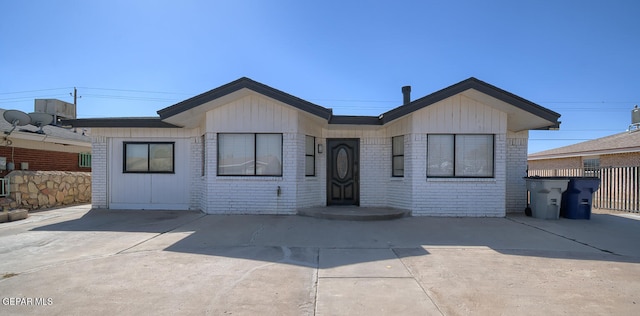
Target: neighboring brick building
(614,159)
(619,150)
(58,149)
(245,147)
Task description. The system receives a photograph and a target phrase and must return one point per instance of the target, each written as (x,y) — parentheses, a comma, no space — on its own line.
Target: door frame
(355,165)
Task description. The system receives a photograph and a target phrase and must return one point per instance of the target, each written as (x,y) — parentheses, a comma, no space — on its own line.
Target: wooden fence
(619,186)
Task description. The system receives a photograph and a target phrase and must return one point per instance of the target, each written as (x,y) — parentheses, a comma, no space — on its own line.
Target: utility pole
(75,106)
(75,102)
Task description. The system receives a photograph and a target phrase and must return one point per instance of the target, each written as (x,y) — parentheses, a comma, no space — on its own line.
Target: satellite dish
(40,120)
(16,118)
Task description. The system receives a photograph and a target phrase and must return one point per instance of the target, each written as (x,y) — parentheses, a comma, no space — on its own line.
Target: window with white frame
(460,155)
(397,156)
(249,154)
(148,157)
(310,156)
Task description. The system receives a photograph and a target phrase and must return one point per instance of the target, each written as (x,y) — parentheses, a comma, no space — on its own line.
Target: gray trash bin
(545,194)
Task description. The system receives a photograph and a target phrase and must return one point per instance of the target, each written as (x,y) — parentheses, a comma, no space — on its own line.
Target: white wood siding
(150,191)
(459,114)
(253,114)
(353,131)
(399,127)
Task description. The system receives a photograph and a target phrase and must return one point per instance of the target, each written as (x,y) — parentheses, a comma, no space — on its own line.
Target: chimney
(406,95)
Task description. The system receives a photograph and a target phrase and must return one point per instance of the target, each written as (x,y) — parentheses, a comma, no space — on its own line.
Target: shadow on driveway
(296,240)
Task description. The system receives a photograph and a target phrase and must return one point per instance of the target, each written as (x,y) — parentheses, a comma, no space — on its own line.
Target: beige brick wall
(615,160)
(560,163)
(620,160)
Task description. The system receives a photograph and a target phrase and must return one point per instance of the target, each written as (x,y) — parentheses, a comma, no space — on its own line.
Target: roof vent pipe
(406,94)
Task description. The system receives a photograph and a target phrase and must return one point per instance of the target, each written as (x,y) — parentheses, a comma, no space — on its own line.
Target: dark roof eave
(239,84)
(471,83)
(354,120)
(132,122)
(555,126)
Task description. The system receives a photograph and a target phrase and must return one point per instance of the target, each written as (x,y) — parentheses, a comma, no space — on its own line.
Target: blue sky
(132,58)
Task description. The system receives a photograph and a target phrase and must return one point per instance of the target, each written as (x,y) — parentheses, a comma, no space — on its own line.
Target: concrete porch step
(354,213)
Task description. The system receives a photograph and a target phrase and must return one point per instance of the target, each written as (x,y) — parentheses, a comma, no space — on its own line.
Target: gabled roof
(523,113)
(481,86)
(239,84)
(626,142)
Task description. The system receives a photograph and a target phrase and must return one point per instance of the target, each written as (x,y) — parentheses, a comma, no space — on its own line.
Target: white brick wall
(99,172)
(195,193)
(252,195)
(375,170)
(399,193)
(458,197)
(434,197)
(311,191)
(209,170)
(259,195)
(516,191)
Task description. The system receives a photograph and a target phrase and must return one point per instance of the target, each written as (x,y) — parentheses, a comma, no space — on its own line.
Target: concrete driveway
(78,261)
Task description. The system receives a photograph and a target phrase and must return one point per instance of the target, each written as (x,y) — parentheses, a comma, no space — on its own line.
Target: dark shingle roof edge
(471,83)
(244,82)
(144,122)
(241,83)
(355,120)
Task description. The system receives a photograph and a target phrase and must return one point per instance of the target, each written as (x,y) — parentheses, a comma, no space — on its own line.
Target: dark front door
(343,173)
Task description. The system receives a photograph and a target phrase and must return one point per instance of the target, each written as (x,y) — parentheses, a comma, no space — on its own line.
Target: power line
(561,104)
(136,91)
(310,99)
(132,98)
(39,90)
(32,97)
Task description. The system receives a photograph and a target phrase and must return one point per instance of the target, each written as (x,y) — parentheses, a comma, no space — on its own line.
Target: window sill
(484,180)
(248,178)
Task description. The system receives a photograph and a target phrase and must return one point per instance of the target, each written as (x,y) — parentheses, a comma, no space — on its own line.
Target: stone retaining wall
(44,189)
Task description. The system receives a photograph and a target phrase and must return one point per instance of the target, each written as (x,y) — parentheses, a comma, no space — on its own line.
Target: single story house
(247,148)
(618,150)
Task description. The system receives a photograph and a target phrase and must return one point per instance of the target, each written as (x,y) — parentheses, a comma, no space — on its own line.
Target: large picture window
(463,155)
(250,154)
(397,159)
(310,156)
(148,157)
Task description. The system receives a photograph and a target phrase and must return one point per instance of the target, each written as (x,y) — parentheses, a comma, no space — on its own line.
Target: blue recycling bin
(578,198)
